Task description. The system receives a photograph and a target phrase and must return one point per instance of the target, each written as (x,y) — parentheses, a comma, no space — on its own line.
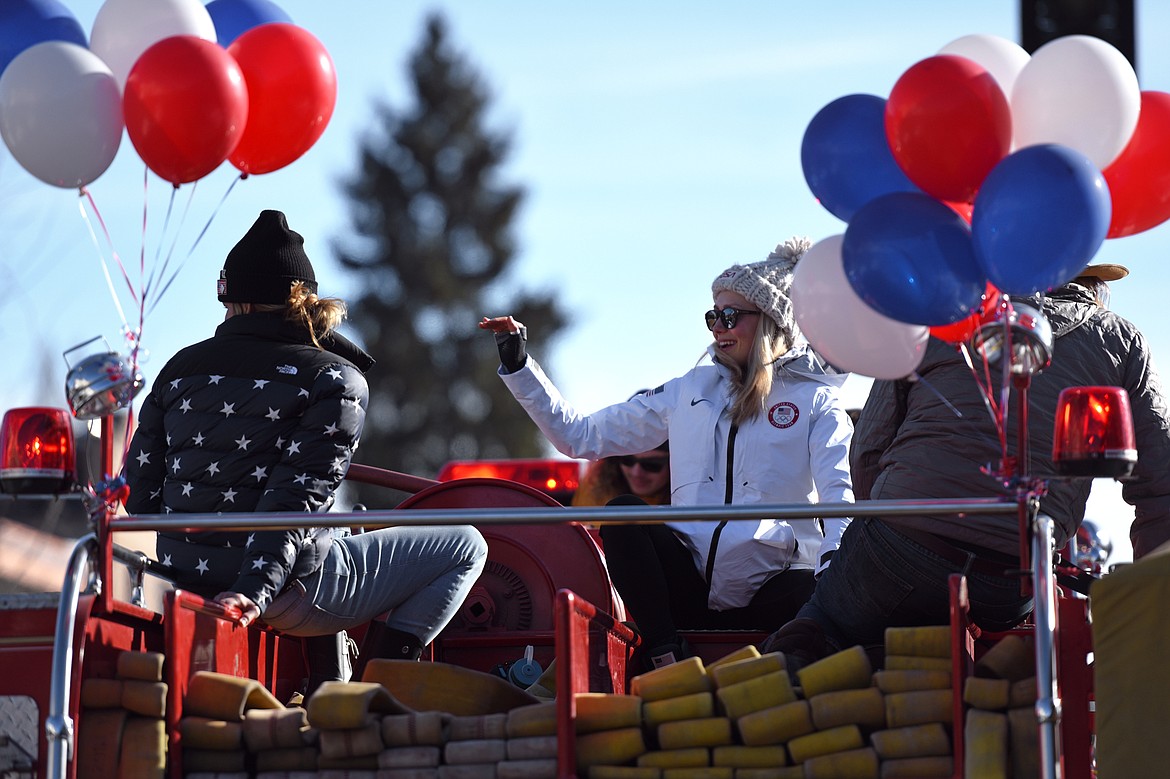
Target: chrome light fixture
(1023,333)
(101,384)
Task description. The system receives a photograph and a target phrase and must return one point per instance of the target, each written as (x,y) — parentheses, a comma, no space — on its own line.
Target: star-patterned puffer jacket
(256,418)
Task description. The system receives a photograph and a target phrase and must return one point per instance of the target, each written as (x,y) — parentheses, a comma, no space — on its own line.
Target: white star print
(187,489)
(260,473)
(155,493)
(166,559)
(143,458)
(303,393)
(338,464)
(228,409)
(251,538)
(243,442)
(334,373)
(168,439)
(175,465)
(294,447)
(279,443)
(215,379)
(273,414)
(175,383)
(258,563)
(259,383)
(202,567)
(185,406)
(304,477)
(213,468)
(331,429)
(230,495)
(198,439)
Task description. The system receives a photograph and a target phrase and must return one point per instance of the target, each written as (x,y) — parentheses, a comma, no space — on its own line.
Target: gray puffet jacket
(934,437)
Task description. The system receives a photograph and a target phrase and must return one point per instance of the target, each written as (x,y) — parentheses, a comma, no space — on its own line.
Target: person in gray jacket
(762,422)
(934,438)
(265,416)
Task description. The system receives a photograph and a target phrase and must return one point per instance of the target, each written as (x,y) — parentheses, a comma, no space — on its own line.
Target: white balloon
(1077,91)
(60,113)
(123,29)
(1002,58)
(842,327)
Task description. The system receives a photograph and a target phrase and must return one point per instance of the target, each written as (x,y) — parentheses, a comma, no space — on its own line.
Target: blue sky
(659,143)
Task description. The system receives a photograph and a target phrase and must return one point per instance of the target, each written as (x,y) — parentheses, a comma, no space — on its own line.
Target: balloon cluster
(193,85)
(987,172)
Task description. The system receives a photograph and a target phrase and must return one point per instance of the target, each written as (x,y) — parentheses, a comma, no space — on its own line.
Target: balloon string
(199,237)
(223,199)
(101,254)
(154,271)
(985,393)
(171,251)
(920,379)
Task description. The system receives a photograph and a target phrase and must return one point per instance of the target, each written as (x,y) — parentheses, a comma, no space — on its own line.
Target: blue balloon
(846,159)
(232,18)
(25,23)
(910,257)
(1040,216)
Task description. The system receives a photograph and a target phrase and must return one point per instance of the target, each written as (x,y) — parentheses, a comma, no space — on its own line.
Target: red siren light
(36,451)
(1093,434)
(558,478)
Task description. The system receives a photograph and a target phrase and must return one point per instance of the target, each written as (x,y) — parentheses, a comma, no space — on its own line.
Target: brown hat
(1105,272)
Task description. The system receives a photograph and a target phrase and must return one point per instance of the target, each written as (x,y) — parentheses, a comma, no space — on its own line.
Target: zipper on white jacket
(728,491)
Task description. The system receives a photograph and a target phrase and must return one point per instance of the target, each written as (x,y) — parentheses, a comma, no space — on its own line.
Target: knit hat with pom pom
(766,284)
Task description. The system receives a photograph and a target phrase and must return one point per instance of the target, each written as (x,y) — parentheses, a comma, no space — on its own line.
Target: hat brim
(1105,271)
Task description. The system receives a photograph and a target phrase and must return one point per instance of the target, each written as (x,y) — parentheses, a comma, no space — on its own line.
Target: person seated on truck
(934,438)
(645,475)
(764,422)
(265,416)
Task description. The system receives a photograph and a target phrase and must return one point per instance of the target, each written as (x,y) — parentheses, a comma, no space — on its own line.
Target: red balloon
(185,106)
(948,124)
(1139,179)
(292,89)
(958,332)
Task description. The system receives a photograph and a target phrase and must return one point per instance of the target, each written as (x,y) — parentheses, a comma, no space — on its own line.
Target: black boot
(802,641)
(385,643)
(327,658)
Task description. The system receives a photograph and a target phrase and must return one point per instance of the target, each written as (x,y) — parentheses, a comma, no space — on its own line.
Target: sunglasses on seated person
(728,316)
(649,464)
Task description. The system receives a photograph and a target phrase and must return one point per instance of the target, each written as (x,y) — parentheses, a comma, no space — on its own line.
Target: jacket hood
(1067,308)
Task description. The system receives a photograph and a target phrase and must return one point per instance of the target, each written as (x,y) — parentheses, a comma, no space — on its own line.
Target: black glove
(511,346)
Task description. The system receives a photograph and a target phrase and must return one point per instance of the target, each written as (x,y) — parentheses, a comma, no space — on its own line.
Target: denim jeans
(421,575)
(879,579)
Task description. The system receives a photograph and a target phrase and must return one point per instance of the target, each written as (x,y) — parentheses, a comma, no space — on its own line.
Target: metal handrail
(1044,615)
(600,515)
(58,724)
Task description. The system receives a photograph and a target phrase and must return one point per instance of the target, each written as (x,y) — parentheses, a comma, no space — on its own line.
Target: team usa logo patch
(783,415)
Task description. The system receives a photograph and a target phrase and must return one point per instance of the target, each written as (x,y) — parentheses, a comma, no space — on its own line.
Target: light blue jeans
(420,575)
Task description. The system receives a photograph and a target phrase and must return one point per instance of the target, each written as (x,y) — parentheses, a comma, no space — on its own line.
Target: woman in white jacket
(762,423)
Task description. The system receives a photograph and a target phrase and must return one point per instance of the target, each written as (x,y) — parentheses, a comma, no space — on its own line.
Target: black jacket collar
(273,326)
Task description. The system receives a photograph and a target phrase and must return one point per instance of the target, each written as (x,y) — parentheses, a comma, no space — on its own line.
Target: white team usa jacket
(797,452)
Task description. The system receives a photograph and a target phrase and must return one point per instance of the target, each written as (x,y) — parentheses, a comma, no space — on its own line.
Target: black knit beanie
(263,265)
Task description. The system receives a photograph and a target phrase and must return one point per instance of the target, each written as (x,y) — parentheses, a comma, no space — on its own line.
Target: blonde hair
(320,316)
(752,383)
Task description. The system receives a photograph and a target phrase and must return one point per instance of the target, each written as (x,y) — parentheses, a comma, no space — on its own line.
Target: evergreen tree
(433,227)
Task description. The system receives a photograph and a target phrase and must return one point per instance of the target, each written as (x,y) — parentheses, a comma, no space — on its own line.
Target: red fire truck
(544,594)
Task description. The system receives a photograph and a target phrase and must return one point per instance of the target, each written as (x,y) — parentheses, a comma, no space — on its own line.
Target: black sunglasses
(649,464)
(726,316)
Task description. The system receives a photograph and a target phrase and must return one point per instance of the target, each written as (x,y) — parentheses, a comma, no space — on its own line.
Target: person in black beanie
(265,416)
